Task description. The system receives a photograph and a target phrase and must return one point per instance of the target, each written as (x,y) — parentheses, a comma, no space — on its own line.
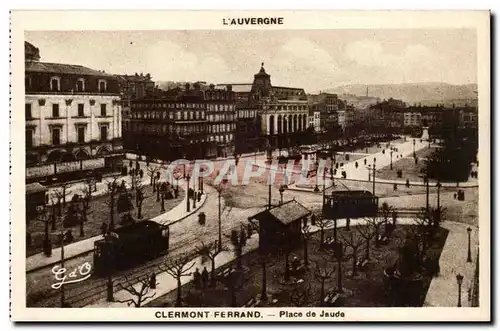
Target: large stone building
(282,113)
(132,87)
(73,120)
(183,123)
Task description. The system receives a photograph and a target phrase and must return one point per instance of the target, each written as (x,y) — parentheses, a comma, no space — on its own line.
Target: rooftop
(60,68)
(285,213)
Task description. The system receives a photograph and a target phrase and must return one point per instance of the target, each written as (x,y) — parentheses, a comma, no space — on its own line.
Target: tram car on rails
(349,204)
(130,246)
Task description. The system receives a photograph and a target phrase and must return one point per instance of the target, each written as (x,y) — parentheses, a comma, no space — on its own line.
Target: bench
(361,263)
(224,273)
(253,302)
(331,299)
(299,270)
(383,239)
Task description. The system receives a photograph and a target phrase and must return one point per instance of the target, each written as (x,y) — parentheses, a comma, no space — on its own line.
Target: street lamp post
(63,299)
(438,185)
(460,279)
(391,158)
(374,169)
(414,148)
(426,179)
(469,255)
(47,246)
(282,189)
(219,242)
(187,192)
(194,192)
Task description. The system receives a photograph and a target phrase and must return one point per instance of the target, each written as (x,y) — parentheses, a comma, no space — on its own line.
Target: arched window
(103,86)
(80,85)
(55,84)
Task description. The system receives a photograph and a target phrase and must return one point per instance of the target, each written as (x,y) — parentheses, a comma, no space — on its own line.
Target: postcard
(250,166)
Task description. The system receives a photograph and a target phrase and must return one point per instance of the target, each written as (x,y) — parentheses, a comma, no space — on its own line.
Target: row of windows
(56,113)
(55,134)
(55,84)
(179,116)
(288,107)
(169,105)
(166,129)
(221,138)
(217,107)
(246,113)
(221,118)
(221,128)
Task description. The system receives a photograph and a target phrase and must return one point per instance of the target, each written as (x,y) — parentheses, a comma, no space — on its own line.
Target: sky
(311,59)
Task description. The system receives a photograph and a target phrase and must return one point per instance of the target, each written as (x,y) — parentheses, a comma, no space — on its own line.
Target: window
(104,132)
(80,85)
(81,134)
(102,86)
(28,110)
(80,110)
(103,109)
(56,136)
(29,138)
(55,110)
(54,84)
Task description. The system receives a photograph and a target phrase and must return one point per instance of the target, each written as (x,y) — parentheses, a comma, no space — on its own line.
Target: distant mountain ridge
(414,93)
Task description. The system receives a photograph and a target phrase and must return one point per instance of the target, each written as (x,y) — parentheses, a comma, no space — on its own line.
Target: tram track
(95,288)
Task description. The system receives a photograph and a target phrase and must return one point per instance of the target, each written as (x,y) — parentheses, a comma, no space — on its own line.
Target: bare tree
(210,251)
(421,232)
(140,195)
(321,223)
(138,291)
(306,235)
(323,273)
(368,231)
(152,170)
(376,222)
(86,192)
(353,242)
(178,267)
(112,188)
(238,241)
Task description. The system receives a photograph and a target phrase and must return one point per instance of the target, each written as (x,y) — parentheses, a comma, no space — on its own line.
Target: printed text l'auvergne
(252,21)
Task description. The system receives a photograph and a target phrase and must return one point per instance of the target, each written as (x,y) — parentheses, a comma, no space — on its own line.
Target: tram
(350,204)
(130,245)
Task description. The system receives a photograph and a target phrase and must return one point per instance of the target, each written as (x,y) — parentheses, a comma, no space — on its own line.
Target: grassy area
(98,213)
(367,286)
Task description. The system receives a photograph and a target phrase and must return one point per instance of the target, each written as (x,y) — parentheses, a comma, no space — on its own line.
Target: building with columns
(282,112)
(73,120)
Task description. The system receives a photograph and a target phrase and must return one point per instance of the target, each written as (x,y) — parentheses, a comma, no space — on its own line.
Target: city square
(144,193)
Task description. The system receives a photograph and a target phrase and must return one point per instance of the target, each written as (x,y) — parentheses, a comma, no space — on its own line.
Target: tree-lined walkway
(440,292)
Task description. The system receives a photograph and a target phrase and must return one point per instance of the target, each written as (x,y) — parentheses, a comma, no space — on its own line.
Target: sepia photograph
(268,166)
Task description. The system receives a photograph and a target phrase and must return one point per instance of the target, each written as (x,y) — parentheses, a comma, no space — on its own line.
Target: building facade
(132,87)
(73,121)
(188,123)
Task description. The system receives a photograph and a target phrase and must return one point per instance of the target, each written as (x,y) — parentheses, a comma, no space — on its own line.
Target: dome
(31,53)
